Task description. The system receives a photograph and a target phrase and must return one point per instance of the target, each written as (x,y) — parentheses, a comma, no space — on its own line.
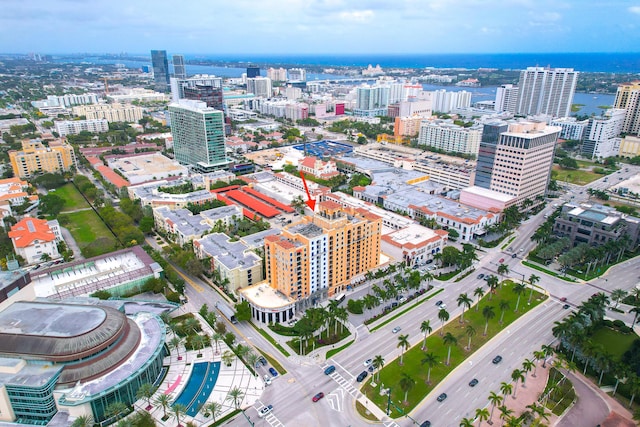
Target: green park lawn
(613,341)
(392,372)
(73,200)
(572,176)
(86,228)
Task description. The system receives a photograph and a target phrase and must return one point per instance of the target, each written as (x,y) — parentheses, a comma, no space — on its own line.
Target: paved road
(589,410)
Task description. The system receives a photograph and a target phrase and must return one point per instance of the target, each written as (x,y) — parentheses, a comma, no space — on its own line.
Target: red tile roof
(28,230)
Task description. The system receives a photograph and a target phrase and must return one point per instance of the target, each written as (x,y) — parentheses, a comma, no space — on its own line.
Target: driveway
(71,243)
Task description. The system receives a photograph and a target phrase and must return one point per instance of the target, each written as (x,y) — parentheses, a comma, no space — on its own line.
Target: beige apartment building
(37,158)
(628,97)
(110,112)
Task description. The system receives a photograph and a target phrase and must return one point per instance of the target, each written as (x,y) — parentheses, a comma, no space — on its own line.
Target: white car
(267,380)
(368,362)
(264,411)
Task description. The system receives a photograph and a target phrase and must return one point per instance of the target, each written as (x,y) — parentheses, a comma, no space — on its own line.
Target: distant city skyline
(320,26)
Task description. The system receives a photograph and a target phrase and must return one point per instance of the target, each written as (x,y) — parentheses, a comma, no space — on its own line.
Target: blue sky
(319,26)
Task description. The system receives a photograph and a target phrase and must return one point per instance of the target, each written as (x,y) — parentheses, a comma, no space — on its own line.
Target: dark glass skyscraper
(253,72)
(160,70)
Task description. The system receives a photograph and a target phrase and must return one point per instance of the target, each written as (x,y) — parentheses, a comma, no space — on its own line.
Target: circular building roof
(58,332)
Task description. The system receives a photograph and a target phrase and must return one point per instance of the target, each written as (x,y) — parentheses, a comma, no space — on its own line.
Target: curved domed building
(75,357)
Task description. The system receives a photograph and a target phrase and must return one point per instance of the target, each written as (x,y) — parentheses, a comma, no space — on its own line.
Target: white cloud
(356,15)
(634,9)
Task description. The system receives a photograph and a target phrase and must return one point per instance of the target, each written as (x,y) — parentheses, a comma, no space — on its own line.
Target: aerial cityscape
(321,213)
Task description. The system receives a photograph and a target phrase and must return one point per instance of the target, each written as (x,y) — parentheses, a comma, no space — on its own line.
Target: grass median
(394,375)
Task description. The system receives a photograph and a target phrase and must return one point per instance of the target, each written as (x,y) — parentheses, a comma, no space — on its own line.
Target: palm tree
(494,399)
(518,290)
(378,364)
(252,359)
(505,413)
(503,269)
(470,331)
(478,292)
(236,395)
(548,351)
(443,315)
(492,282)
(505,389)
(191,324)
(145,391)
(482,415)
(175,344)
(242,351)
(537,355)
(406,384)
(527,366)
(488,314)
(116,410)
(466,422)
(178,410)
(425,328)
(197,341)
(449,340)
(516,375)
(216,338)
(403,343)
(636,311)
(533,279)
(164,401)
(430,360)
(617,295)
(503,305)
(213,408)
(465,302)
(83,421)
(227,357)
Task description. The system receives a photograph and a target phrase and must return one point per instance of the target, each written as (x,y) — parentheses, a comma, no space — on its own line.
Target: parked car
(497,360)
(317,397)
(267,379)
(480,276)
(426,424)
(442,397)
(264,411)
(263,361)
(368,362)
(273,372)
(396,329)
(473,382)
(329,370)
(362,376)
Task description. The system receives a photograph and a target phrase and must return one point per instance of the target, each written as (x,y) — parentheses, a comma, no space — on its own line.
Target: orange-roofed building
(14,191)
(32,238)
(316,167)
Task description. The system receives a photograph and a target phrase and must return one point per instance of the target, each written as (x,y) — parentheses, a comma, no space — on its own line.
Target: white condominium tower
(546,91)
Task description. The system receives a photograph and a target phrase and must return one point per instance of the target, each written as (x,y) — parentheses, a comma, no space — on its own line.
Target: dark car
(497,360)
(362,376)
(429,261)
(473,382)
(371,368)
(480,276)
(263,361)
(438,303)
(317,397)
(273,372)
(514,256)
(442,397)
(329,370)
(566,306)
(426,424)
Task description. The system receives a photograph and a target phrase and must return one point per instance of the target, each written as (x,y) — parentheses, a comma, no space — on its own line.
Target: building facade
(546,91)
(110,112)
(628,97)
(35,158)
(260,86)
(516,158)
(446,136)
(160,70)
(506,97)
(34,238)
(571,128)
(630,146)
(601,137)
(179,69)
(198,135)
(74,127)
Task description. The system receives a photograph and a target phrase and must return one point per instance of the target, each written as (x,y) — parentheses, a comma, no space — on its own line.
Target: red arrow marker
(310,202)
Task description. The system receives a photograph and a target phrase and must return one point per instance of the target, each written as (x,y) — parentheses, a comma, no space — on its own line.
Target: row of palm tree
(317,320)
(498,399)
